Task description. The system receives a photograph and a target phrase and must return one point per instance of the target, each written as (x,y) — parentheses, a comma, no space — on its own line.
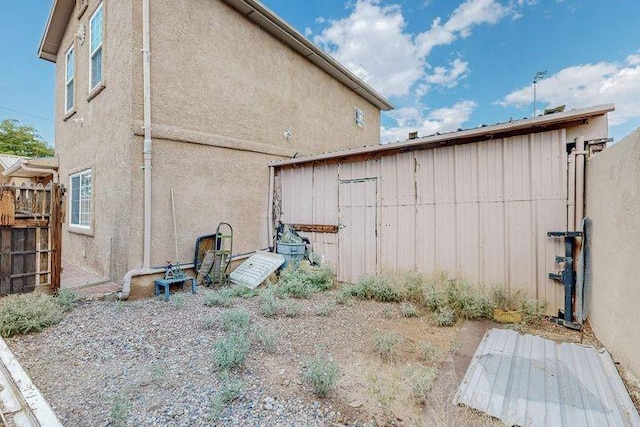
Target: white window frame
(359,117)
(98,49)
(85,216)
(69,81)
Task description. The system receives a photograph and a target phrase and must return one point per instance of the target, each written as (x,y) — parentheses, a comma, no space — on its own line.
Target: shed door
(357,236)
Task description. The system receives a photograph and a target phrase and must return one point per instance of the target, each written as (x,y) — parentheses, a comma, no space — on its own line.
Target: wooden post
(55,233)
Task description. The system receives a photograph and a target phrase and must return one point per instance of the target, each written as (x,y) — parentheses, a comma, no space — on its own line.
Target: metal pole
(539,76)
(534,98)
(175,228)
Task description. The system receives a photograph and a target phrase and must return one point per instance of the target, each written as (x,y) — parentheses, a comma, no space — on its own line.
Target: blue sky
(444,64)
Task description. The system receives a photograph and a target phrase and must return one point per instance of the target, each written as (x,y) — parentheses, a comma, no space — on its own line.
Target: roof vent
(413,135)
(559,109)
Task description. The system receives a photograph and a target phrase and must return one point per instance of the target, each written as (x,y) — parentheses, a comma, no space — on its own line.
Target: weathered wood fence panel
(30,243)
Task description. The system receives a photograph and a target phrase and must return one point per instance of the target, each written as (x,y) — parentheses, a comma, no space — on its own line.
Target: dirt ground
(377,391)
(369,390)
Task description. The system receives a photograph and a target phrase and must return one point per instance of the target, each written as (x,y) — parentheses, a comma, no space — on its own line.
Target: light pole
(539,76)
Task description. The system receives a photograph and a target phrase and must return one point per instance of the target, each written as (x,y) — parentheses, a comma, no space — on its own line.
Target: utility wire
(26,114)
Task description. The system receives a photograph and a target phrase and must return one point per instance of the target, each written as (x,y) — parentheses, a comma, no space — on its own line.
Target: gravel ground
(150,363)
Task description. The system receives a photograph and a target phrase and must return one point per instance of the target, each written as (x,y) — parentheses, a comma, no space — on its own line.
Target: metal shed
(475,204)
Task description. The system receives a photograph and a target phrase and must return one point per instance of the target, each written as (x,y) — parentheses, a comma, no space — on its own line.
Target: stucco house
(194,96)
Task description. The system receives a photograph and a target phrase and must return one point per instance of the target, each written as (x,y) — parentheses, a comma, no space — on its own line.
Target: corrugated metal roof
(8,160)
(527,380)
(482,133)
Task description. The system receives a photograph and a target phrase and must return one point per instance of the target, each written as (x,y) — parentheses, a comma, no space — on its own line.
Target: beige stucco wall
(98,136)
(214,71)
(223,93)
(613,203)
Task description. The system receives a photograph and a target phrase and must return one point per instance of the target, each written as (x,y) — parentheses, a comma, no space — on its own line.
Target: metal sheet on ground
(527,380)
(256,269)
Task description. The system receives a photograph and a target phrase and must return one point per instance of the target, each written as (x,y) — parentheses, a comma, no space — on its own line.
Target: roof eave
(276,26)
(535,124)
(61,11)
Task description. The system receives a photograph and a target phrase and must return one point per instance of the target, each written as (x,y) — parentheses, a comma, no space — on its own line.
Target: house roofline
(59,15)
(500,130)
(61,12)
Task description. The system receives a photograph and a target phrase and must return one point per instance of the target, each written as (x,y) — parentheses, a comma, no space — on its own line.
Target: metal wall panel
(325,194)
(478,211)
(357,237)
(297,201)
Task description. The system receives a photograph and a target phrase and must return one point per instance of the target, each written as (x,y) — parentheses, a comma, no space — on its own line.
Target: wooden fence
(30,238)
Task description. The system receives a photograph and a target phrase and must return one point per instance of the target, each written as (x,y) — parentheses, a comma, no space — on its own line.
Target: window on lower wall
(80,199)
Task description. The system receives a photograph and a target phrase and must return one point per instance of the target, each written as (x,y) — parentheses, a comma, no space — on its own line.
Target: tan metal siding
(478,211)
(357,237)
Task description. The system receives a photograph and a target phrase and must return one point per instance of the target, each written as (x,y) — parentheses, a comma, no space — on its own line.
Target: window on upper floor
(96,35)
(81,189)
(359,117)
(69,77)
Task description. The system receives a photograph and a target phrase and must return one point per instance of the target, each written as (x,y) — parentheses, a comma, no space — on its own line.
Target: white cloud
(459,25)
(587,85)
(448,77)
(373,43)
(427,122)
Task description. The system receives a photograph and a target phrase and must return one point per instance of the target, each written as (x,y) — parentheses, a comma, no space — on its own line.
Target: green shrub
(231,388)
(409,310)
(444,316)
(532,310)
(244,292)
(120,410)
(302,280)
(343,296)
(326,309)
(378,288)
(292,309)
(231,351)
(321,373)
(24,313)
(434,297)
(295,287)
(421,381)
(412,284)
(428,352)
(221,298)
(235,319)
(504,300)
(385,345)
(178,300)
(269,304)
(66,298)
(267,339)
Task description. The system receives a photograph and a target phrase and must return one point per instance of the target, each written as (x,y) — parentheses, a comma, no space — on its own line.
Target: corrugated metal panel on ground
(527,380)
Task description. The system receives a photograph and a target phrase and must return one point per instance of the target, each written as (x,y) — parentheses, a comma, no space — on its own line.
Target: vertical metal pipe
(270,207)
(146,75)
(571,192)
(580,169)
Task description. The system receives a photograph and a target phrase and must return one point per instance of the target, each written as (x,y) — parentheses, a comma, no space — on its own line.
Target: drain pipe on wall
(271,243)
(146,153)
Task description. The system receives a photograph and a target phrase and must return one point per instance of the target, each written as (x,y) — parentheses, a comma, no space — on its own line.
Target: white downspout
(146,75)
(146,153)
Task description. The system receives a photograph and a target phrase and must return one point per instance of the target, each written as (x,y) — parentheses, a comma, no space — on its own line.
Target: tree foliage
(22,140)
